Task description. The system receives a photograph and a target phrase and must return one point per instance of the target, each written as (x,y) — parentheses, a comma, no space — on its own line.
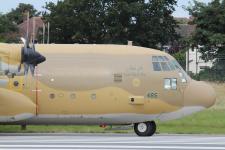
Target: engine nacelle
(15,107)
(10,59)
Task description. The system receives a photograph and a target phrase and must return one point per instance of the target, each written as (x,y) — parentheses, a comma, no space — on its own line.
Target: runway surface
(110,142)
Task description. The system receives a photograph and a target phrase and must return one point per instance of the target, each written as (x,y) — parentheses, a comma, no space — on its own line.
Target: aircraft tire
(145,128)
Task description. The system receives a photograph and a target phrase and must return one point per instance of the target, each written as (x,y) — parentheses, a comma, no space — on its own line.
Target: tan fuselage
(94,84)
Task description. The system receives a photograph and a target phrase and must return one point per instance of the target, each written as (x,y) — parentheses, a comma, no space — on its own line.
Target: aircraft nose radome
(199,93)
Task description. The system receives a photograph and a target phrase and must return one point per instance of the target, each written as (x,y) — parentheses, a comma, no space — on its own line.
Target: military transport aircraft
(95,85)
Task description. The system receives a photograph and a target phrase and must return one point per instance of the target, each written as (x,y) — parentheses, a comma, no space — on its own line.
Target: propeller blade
(19,68)
(26,68)
(33,46)
(32,67)
(29,57)
(23,40)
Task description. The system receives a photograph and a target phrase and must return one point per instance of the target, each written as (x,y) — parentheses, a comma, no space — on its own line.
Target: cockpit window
(177,66)
(161,58)
(154,59)
(156,66)
(161,63)
(183,75)
(166,58)
(171,65)
(165,66)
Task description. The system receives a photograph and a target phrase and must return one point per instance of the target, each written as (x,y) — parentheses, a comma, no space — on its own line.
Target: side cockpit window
(170,84)
(156,66)
(162,63)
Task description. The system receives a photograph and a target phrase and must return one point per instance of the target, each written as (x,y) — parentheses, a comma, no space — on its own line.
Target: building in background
(194,63)
(185,30)
(34,25)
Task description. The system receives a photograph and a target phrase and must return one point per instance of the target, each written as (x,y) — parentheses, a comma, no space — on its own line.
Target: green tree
(76,21)
(147,23)
(154,23)
(17,15)
(181,58)
(7,29)
(210,32)
(210,28)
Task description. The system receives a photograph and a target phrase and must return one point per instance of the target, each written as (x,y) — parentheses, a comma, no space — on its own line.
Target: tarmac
(110,141)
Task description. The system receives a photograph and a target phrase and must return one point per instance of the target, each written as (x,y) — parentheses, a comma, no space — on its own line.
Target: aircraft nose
(199,93)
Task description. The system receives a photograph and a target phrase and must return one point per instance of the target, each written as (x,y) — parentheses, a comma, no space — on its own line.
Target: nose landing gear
(145,128)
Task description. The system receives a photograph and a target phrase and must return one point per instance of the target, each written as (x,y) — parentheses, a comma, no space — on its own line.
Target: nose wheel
(145,128)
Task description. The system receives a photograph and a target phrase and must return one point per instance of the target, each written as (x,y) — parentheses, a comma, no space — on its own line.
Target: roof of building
(34,20)
(185,30)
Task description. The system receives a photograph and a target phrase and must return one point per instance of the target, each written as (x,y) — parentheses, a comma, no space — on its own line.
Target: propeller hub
(30,58)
